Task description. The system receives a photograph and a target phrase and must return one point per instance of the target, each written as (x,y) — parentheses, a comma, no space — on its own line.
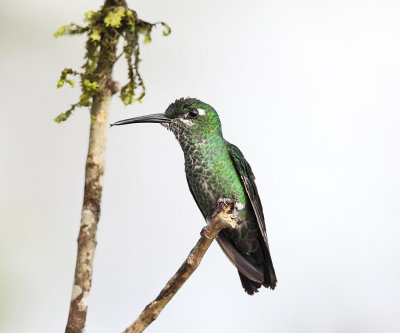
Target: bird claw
(236,206)
(225,201)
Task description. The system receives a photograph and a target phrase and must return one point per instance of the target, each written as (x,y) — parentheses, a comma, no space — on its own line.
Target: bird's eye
(194,113)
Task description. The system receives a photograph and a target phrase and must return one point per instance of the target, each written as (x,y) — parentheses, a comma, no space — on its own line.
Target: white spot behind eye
(202,112)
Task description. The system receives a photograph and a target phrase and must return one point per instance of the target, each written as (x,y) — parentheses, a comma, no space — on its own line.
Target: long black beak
(151,118)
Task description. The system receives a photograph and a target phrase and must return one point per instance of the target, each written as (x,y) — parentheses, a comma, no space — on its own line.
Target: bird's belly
(208,185)
(204,193)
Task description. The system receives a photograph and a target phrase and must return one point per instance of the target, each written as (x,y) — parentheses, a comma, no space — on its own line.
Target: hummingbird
(217,169)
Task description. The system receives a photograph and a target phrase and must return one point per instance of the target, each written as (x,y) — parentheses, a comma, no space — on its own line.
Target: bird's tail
(264,263)
(255,270)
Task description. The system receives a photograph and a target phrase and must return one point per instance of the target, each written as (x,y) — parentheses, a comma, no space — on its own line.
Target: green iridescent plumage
(208,165)
(217,169)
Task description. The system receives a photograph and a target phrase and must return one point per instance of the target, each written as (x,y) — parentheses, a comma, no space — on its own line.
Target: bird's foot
(227,210)
(223,202)
(233,206)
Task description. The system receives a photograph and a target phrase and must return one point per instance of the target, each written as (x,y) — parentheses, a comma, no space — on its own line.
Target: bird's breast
(211,175)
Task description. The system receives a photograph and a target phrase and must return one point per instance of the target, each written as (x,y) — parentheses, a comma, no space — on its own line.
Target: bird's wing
(246,174)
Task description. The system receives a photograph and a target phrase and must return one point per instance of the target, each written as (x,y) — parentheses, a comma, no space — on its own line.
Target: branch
(93,184)
(90,215)
(103,28)
(224,217)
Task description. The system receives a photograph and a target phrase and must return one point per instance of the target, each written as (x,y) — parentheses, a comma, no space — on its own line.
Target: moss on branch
(104,28)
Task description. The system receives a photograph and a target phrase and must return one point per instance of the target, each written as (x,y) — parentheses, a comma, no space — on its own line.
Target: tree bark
(224,217)
(90,214)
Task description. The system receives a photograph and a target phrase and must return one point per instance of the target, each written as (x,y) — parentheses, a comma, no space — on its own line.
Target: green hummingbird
(217,169)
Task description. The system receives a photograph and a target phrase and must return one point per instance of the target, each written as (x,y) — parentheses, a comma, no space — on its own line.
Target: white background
(309,91)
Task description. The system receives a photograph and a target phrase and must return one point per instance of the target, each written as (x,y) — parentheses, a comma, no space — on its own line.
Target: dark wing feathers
(243,262)
(246,174)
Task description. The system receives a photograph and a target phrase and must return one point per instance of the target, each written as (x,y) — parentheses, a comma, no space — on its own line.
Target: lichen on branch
(104,28)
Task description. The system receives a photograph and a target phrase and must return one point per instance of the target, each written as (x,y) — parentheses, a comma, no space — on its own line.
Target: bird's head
(185,117)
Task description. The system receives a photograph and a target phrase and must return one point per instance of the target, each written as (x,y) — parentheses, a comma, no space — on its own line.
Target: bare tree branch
(224,217)
(90,215)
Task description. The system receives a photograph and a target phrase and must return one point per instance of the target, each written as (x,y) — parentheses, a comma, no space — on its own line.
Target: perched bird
(217,169)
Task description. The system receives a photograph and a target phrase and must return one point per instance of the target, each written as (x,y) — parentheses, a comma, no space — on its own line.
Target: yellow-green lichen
(61,31)
(89,15)
(64,78)
(114,17)
(90,86)
(104,28)
(95,35)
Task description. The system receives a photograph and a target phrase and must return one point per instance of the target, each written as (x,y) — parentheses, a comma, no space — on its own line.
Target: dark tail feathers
(267,267)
